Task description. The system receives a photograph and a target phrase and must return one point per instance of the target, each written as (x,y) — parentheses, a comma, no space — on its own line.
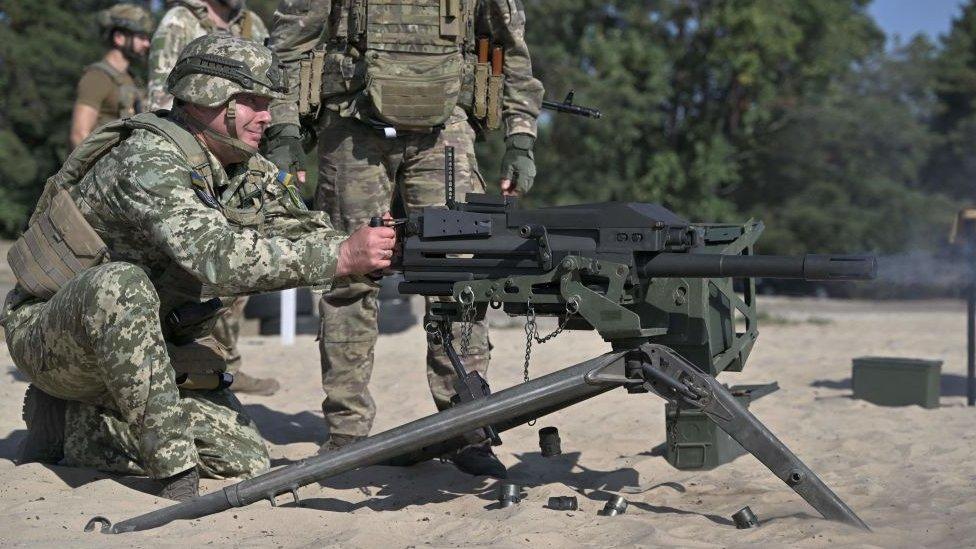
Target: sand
(907,471)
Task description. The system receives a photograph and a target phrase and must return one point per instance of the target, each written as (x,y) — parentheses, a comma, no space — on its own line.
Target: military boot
(44,416)
(181,486)
(478,460)
(261,386)
(337,441)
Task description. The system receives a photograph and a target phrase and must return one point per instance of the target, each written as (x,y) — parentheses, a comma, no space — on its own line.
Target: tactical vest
(130,99)
(404,61)
(246,22)
(59,243)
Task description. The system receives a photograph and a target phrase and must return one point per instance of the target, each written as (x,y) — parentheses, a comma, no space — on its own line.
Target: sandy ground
(908,471)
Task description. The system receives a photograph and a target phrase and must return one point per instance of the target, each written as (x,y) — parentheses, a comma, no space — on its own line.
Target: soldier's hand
(283,146)
(518,165)
(367,250)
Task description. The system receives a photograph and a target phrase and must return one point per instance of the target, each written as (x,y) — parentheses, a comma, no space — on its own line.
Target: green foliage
(44,45)
(787,110)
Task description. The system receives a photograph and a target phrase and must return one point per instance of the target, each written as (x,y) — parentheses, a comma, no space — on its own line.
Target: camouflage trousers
(227,330)
(98,343)
(361,174)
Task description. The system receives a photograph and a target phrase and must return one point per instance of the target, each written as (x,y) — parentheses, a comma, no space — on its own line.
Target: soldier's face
(140,44)
(253,117)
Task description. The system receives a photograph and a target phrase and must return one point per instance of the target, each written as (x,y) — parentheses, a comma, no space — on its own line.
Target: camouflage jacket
(299,26)
(184,21)
(142,201)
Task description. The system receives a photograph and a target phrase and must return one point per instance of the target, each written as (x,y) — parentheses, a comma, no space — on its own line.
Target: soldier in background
(108,90)
(184,21)
(388,85)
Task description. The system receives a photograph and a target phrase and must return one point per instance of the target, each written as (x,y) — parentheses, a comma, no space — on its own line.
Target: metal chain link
(467,323)
(532,332)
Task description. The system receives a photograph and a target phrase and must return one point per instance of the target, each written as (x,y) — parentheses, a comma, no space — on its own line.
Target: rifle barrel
(571,109)
(806,267)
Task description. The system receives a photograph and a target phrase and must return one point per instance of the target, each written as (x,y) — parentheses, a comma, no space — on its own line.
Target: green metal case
(891,381)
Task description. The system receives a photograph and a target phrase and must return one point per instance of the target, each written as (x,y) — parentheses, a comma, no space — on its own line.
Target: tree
(952,168)
(44,45)
(843,173)
(689,88)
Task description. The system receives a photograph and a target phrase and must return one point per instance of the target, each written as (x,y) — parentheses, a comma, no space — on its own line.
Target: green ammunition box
(695,443)
(897,381)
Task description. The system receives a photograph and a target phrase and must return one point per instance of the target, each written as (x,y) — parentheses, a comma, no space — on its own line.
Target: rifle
(568,107)
(657,288)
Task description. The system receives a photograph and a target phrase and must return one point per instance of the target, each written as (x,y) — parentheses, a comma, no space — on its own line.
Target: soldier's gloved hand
(283,143)
(367,250)
(518,164)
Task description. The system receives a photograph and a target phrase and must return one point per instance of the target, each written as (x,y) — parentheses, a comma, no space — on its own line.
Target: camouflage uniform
(362,173)
(175,237)
(184,21)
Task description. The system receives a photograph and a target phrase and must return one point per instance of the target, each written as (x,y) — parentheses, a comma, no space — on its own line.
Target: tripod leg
(674,378)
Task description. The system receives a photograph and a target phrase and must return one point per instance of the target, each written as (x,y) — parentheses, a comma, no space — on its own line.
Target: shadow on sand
(282,428)
(394,488)
(950,385)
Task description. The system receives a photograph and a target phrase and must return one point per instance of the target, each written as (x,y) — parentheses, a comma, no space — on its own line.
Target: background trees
(794,111)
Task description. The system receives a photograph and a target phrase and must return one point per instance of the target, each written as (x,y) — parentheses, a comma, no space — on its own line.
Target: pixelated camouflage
(100,340)
(183,22)
(214,68)
(126,17)
(300,26)
(356,181)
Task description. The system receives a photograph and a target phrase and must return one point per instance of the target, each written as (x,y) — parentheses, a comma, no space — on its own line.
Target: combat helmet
(213,69)
(125,17)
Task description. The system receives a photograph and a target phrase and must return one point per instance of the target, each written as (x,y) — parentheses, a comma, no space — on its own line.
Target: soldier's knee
(120,292)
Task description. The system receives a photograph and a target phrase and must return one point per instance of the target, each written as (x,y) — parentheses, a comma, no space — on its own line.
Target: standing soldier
(108,90)
(389,84)
(185,21)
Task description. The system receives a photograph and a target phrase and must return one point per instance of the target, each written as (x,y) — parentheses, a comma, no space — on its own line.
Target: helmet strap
(228,140)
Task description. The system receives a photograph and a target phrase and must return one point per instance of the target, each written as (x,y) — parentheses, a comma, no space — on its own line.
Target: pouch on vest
(413,91)
(203,356)
(413,58)
(310,91)
(59,242)
(58,245)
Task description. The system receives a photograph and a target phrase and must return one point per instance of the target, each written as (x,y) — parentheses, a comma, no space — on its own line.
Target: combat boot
(44,416)
(261,386)
(478,460)
(337,441)
(181,486)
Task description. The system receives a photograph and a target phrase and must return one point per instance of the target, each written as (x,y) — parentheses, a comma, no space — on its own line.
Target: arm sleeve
(93,88)
(160,200)
(167,43)
(523,93)
(296,29)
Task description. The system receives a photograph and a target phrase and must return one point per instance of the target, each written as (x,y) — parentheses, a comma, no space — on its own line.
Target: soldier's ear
(118,39)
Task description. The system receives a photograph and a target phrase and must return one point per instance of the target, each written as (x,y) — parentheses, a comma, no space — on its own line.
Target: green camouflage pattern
(212,91)
(299,26)
(100,340)
(127,17)
(183,22)
(360,172)
(226,439)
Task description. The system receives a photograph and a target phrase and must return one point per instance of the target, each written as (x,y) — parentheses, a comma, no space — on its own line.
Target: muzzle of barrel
(839,267)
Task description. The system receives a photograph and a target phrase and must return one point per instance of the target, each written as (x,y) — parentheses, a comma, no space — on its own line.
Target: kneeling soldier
(152,227)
